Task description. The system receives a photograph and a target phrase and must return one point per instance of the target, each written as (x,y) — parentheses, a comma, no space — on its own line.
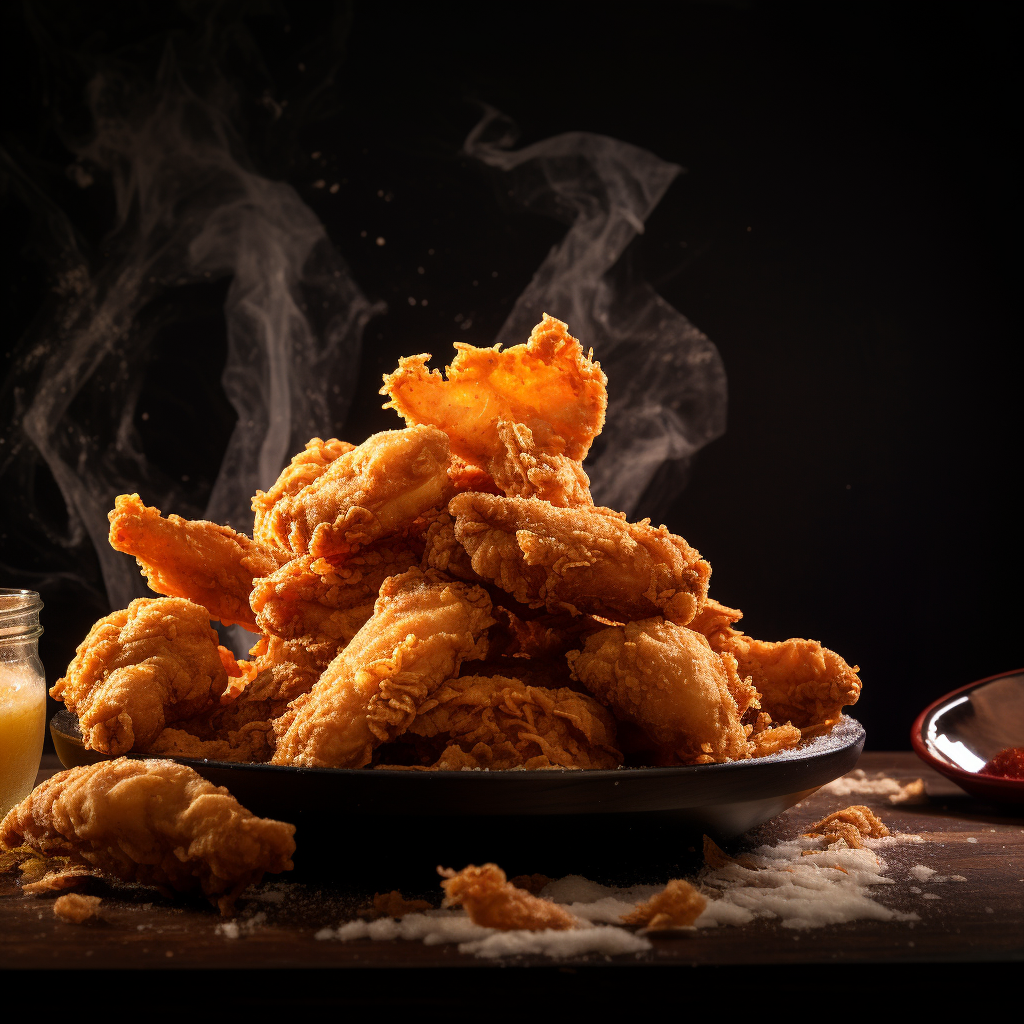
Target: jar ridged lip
(19,614)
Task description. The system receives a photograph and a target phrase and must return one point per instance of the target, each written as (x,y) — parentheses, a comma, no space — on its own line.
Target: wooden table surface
(979,920)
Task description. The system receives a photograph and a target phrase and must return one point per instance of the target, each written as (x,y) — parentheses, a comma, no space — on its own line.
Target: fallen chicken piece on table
(155,822)
(492,901)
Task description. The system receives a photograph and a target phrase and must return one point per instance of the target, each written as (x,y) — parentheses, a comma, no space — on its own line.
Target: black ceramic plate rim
(940,764)
(517,776)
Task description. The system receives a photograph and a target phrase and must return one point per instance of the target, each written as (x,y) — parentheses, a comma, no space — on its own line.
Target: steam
(667,387)
(188,210)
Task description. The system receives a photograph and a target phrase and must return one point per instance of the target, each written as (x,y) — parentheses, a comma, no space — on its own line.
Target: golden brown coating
(493,902)
(667,680)
(497,722)
(527,415)
(798,681)
(579,560)
(154,822)
(75,908)
(678,905)
(315,601)
(852,825)
(199,561)
(309,465)
(372,491)
(152,664)
(423,626)
(241,727)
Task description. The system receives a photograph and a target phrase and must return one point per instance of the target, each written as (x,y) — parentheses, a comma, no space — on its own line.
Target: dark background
(845,232)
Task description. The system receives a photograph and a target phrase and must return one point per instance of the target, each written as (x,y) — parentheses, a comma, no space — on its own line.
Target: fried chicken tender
(424,626)
(575,560)
(154,822)
(798,680)
(527,416)
(493,902)
(497,722)
(370,492)
(316,601)
(202,562)
(666,679)
(154,663)
(241,728)
(678,905)
(306,467)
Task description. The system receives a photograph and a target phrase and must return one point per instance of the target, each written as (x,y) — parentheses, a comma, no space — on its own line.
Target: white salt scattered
(922,873)
(236,929)
(857,782)
(930,896)
(578,942)
(971,839)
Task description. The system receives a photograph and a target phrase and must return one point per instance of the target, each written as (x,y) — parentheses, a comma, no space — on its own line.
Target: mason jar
(22,695)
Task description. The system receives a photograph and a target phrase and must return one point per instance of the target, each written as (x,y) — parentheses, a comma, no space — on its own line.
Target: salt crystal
(922,873)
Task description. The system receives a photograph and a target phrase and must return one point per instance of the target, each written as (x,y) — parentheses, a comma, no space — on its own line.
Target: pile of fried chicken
(444,596)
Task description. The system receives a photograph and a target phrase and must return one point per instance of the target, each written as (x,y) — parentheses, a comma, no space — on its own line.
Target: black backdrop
(844,232)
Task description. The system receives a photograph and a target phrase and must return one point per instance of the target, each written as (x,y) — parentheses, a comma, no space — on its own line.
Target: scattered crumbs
(380,240)
(957,878)
(971,839)
(334,188)
(319,183)
(914,889)
(930,896)
(236,929)
(75,908)
(169,953)
(858,782)
(989,910)
(921,872)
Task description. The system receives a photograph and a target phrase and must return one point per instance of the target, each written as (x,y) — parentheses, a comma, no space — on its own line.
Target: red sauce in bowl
(1007,764)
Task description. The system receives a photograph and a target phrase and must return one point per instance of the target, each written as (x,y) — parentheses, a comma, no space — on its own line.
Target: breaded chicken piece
(498,722)
(306,467)
(372,491)
(202,562)
(667,680)
(678,905)
(154,822)
(316,601)
(799,681)
(527,416)
(491,901)
(576,560)
(424,626)
(241,727)
(140,669)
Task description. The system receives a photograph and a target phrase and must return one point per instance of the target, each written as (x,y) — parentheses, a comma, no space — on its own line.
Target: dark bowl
(551,821)
(960,732)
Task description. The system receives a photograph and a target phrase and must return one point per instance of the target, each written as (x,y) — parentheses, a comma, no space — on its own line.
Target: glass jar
(22,695)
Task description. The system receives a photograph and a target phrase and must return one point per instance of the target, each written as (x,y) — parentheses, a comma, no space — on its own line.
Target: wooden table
(980,920)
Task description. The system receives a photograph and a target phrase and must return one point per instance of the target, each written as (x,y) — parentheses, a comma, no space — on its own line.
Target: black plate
(525,820)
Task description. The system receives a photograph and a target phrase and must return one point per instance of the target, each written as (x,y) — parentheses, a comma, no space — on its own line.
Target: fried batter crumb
(493,902)
(678,905)
(75,908)
(392,904)
(852,824)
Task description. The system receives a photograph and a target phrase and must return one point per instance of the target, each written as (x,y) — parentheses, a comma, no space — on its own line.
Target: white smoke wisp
(667,386)
(188,210)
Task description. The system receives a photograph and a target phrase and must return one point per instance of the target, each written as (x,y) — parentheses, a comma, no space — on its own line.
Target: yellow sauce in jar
(22,726)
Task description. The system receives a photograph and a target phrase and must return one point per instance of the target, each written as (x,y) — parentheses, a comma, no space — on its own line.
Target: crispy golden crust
(75,908)
(140,669)
(497,722)
(199,561)
(372,491)
(154,822)
(493,902)
(580,560)
(315,601)
(665,679)
(527,416)
(852,824)
(306,467)
(678,905)
(423,626)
